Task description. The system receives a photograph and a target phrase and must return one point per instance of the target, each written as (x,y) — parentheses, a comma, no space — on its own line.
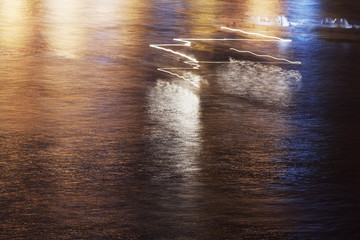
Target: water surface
(96,143)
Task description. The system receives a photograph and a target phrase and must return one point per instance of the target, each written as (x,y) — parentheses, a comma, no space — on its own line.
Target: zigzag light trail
(195,64)
(267,56)
(223,39)
(192,61)
(179,76)
(256,34)
(159,46)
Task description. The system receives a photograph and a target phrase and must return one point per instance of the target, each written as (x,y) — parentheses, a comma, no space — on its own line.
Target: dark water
(95,143)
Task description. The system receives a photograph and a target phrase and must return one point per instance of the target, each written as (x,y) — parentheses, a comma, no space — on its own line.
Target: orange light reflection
(14,23)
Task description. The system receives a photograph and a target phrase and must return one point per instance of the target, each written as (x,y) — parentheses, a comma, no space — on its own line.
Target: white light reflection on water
(176,108)
(268,83)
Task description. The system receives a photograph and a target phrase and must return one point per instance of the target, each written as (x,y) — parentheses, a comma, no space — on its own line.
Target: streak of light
(165,70)
(267,56)
(186,42)
(159,46)
(234,62)
(192,61)
(195,64)
(228,39)
(256,34)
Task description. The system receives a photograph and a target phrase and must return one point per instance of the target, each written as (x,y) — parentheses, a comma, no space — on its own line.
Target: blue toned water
(105,137)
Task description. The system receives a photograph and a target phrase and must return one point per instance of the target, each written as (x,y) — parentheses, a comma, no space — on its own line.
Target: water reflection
(94,145)
(175,139)
(66,33)
(258,10)
(307,11)
(176,108)
(241,144)
(15,24)
(264,8)
(77,29)
(259,82)
(55,102)
(202,14)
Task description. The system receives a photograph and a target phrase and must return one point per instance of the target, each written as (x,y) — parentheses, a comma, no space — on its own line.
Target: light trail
(234,62)
(227,39)
(268,56)
(195,64)
(179,76)
(257,34)
(159,46)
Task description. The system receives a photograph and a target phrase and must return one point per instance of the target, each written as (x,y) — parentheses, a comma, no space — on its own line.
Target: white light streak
(257,34)
(267,56)
(195,64)
(186,42)
(232,62)
(165,70)
(228,39)
(192,61)
(159,46)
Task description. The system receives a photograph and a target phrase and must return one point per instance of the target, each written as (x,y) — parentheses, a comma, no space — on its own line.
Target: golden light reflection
(106,23)
(264,8)
(76,28)
(203,12)
(20,102)
(66,33)
(14,23)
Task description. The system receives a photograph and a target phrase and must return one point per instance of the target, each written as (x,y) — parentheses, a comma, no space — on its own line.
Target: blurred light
(66,34)
(14,23)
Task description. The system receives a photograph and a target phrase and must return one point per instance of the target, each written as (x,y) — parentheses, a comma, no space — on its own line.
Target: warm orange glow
(264,8)
(75,27)
(204,13)
(65,34)
(14,23)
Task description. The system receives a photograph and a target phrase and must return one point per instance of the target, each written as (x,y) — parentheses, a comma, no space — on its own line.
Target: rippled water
(104,137)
